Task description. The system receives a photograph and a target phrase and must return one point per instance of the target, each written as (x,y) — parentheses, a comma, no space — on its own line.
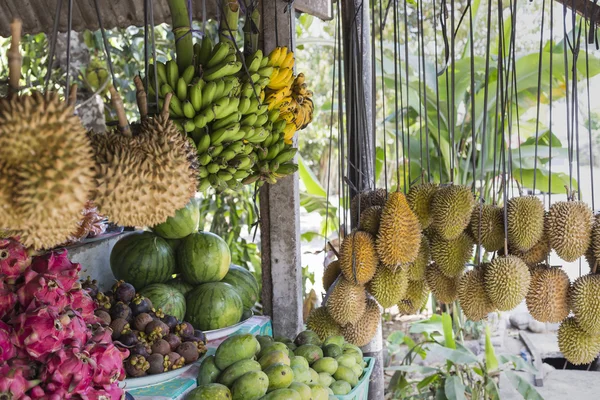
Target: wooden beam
(585,8)
(319,8)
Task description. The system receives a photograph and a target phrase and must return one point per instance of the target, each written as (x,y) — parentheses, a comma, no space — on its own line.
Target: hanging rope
(550,102)
(453,92)
(53,44)
(106,45)
(69,27)
(537,112)
(437,93)
(398,114)
(381,29)
(405,154)
(566,74)
(589,110)
(422,48)
(472,101)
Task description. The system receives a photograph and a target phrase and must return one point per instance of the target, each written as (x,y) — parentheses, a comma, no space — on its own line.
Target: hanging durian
(548,295)
(473,298)
(569,228)
(367,199)
(346,302)
(369,220)
(578,346)
(525,218)
(585,303)
(361,332)
(358,258)
(417,294)
(507,282)
(416,269)
(388,286)
(451,255)
(537,254)
(320,322)
(487,222)
(444,289)
(419,198)
(595,240)
(330,273)
(451,210)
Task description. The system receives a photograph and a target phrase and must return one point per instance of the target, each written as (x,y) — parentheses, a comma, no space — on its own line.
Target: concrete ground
(560,385)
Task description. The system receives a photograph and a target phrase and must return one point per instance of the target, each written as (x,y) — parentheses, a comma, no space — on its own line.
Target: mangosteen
(103,301)
(173,340)
(142,349)
(119,326)
(189,351)
(121,310)
(176,360)
(161,346)
(184,329)
(170,320)
(140,304)
(136,366)
(155,325)
(103,315)
(157,313)
(110,296)
(157,364)
(124,292)
(141,320)
(199,336)
(90,286)
(129,339)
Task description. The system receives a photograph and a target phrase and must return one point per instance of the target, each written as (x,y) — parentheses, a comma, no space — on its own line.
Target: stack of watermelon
(185,272)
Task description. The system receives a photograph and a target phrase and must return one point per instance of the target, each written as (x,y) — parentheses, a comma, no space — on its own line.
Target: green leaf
(448,333)
(458,356)
(518,362)
(396,337)
(559,180)
(490,355)
(421,369)
(310,236)
(431,325)
(454,388)
(491,389)
(310,181)
(425,382)
(523,386)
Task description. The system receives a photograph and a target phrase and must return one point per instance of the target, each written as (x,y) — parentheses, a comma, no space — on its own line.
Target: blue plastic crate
(361,391)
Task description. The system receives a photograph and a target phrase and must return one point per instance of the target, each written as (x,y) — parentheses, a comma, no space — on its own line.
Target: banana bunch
(96,75)
(274,161)
(282,61)
(304,107)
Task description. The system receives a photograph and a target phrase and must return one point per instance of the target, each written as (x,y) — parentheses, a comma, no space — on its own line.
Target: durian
(569,228)
(595,240)
(143,176)
(472,295)
(358,258)
(347,302)
(525,218)
(443,288)
(320,322)
(330,273)
(415,298)
(578,346)
(537,254)
(451,255)
(585,303)
(399,235)
(367,199)
(388,286)
(419,198)
(507,282)
(491,228)
(361,332)
(416,269)
(369,220)
(548,295)
(451,210)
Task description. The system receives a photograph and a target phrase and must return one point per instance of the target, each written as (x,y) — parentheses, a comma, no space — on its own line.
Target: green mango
(236,370)
(264,341)
(332,350)
(299,362)
(273,347)
(210,391)
(309,351)
(346,360)
(341,387)
(302,389)
(353,351)
(326,364)
(208,372)
(307,337)
(346,374)
(280,376)
(337,340)
(236,348)
(283,394)
(319,392)
(314,377)
(301,375)
(325,379)
(292,347)
(274,357)
(250,386)
(358,370)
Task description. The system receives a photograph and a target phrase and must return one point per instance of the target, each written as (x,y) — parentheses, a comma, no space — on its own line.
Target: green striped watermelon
(167,298)
(184,222)
(180,285)
(213,305)
(141,259)
(203,257)
(244,282)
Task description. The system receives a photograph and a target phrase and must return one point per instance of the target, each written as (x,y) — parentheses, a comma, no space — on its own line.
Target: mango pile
(252,368)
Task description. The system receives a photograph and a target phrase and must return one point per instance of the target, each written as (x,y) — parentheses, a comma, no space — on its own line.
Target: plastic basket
(361,391)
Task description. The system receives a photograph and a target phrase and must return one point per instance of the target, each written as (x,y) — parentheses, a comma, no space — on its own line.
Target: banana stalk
(251,29)
(184,45)
(229,23)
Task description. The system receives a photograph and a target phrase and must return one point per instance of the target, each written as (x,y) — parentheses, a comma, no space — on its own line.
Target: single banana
(202,172)
(220,105)
(161,71)
(266,72)
(189,126)
(208,94)
(188,110)
(165,89)
(219,53)
(222,70)
(240,174)
(285,156)
(182,89)
(249,120)
(172,73)
(231,107)
(175,107)
(213,168)
(195,94)
(244,104)
(188,74)
(203,143)
(253,61)
(204,159)
(216,150)
(230,119)
(274,56)
(288,61)
(204,185)
(221,135)
(261,120)
(205,51)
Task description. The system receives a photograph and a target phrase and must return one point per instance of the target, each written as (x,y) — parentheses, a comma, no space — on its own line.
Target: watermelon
(142,259)
(213,305)
(203,257)
(184,222)
(180,285)
(167,298)
(244,282)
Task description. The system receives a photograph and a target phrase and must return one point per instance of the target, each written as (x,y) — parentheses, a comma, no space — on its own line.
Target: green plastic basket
(361,391)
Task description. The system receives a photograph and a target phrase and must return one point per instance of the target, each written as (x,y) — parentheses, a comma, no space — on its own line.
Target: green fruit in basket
(346,360)
(314,377)
(245,283)
(337,340)
(307,337)
(233,372)
(299,362)
(319,392)
(203,257)
(301,375)
(325,379)
(302,389)
(309,351)
(170,300)
(265,341)
(211,391)
(251,386)
(280,376)
(181,285)
(346,374)
(208,372)
(275,346)
(326,364)
(184,222)
(358,370)
(332,350)
(274,357)
(283,394)
(354,351)
(213,305)
(291,347)
(340,387)
(142,259)
(236,348)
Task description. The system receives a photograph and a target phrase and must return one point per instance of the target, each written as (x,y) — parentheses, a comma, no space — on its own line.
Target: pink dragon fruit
(109,361)
(50,391)
(109,392)
(56,262)
(69,368)
(101,335)
(43,289)
(82,302)
(41,332)
(13,384)
(8,300)
(7,348)
(14,259)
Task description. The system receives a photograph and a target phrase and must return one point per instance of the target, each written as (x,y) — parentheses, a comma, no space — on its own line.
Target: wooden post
(280,206)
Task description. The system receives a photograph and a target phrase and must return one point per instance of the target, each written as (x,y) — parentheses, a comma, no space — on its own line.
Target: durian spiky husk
(320,322)
(367,199)
(415,298)
(525,218)
(346,302)
(577,346)
(537,254)
(361,332)
(369,220)
(507,282)
(47,160)
(569,228)
(451,255)
(419,199)
(451,210)
(358,250)
(399,235)
(548,295)
(472,296)
(416,269)
(330,273)
(595,240)
(491,227)
(144,179)
(388,286)
(444,289)
(585,303)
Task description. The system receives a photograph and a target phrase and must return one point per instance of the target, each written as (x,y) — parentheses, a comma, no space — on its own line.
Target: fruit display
(158,340)
(245,367)
(53,342)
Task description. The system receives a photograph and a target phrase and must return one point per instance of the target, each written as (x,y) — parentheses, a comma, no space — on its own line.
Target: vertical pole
(358,73)
(280,206)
